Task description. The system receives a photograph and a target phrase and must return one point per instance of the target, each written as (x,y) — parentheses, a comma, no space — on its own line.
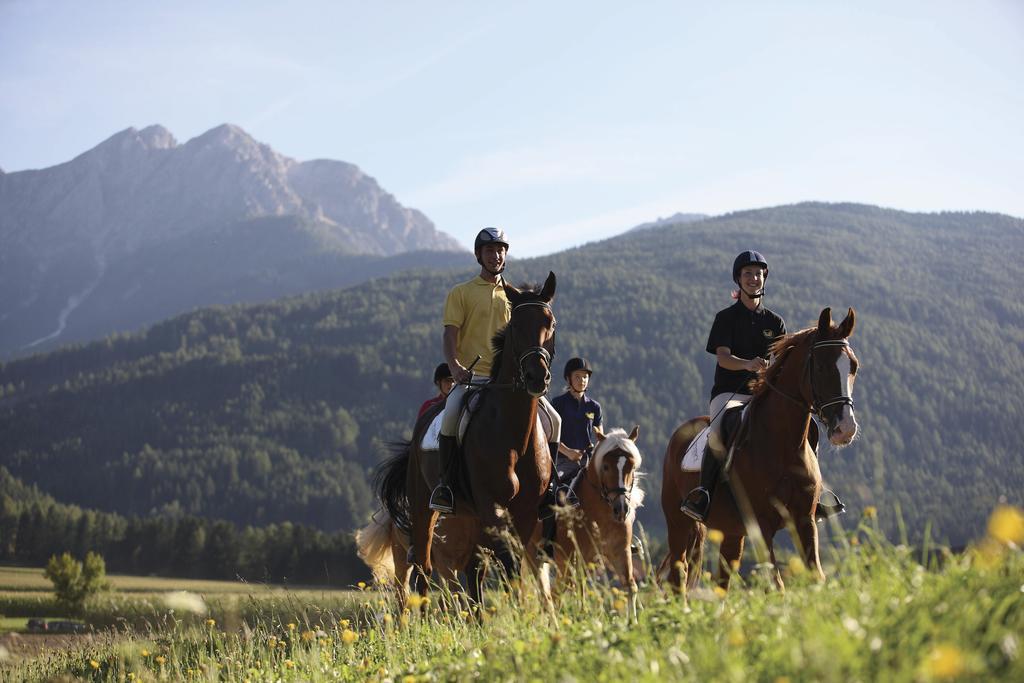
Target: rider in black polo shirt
(739,338)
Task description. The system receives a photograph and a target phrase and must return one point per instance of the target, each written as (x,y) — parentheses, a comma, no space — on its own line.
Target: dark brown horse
(774,478)
(505,466)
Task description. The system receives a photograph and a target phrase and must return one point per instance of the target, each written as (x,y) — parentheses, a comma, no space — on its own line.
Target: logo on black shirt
(768,333)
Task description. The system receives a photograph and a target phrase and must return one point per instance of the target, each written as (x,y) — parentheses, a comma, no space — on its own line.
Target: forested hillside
(275,412)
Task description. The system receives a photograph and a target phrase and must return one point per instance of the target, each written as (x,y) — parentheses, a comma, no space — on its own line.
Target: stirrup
(829,505)
(442,499)
(696,504)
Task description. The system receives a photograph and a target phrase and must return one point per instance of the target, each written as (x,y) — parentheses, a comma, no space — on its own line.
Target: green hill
(275,412)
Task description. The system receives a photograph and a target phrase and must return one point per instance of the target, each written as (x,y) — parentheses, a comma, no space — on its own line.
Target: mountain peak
(228,134)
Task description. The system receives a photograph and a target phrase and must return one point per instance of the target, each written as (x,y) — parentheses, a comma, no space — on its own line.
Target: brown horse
(602,529)
(505,466)
(773,479)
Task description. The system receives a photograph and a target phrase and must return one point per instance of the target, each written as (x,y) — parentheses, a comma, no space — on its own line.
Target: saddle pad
(430,437)
(694,454)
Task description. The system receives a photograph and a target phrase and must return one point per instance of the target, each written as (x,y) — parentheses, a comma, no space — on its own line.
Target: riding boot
(698,501)
(829,505)
(441,498)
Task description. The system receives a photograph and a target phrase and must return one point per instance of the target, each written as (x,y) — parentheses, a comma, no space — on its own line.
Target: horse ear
(599,434)
(825,322)
(846,327)
(635,433)
(511,293)
(548,292)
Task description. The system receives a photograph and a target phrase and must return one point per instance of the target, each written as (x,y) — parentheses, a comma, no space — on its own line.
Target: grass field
(882,616)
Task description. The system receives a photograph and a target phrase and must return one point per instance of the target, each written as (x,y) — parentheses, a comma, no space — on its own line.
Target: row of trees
(34,527)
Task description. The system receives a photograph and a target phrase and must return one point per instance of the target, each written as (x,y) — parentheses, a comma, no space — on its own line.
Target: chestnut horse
(505,465)
(774,478)
(602,529)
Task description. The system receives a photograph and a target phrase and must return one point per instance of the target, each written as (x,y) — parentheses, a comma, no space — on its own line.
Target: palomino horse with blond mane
(772,474)
(505,466)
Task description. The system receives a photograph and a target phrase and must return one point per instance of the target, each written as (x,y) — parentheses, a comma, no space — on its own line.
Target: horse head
(530,335)
(832,368)
(616,466)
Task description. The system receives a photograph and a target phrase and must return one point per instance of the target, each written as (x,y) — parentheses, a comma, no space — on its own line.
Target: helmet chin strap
(759,294)
(499,271)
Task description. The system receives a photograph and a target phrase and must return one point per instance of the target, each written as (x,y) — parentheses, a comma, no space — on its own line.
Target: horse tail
(390,484)
(373,544)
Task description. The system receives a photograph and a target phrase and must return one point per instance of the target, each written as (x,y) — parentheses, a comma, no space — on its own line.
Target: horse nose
(619,509)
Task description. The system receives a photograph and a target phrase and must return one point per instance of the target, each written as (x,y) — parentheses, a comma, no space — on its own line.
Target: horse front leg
(423,521)
(807,531)
(617,549)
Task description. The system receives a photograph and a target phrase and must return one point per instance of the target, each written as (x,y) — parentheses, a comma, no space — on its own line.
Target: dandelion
(361,585)
(131,675)
(404,619)
(211,622)
(944,661)
(160,659)
(415,600)
(291,626)
(716,536)
(464,614)
(619,605)
(308,636)
(720,592)
(348,636)
(343,623)
(289,664)
(145,653)
(272,642)
(94,664)
(870,512)
(1006,525)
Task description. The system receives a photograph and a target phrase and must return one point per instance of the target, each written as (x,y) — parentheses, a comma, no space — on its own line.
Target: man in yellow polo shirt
(473,314)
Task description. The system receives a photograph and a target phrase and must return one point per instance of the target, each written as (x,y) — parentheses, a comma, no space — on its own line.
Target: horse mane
(498,341)
(618,439)
(781,349)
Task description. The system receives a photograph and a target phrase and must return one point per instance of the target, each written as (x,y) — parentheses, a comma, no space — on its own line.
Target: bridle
(608,494)
(519,379)
(816,405)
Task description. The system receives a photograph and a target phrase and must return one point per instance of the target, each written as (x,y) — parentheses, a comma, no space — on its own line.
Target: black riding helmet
(575,364)
(748,258)
(489,236)
(442,372)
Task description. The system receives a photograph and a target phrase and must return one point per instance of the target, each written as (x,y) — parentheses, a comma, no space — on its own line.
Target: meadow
(887,612)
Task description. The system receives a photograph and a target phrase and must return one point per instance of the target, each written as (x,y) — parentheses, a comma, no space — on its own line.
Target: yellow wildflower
(944,661)
(343,623)
(1006,525)
(720,592)
(361,585)
(387,619)
(291,626)
(796,566)
(160,659)
(619,605)
(289,664)
(870,512)
(94,664)
(464,614)
(716,536)
(404,619)
(145,652)
(131,675)
(415,600)
(211,623)
(348,636)
(737,637)
(409,679)
(308,636)
(272,642)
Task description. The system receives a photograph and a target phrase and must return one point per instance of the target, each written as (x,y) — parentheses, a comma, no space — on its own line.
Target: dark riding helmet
(489,236)
(442,372)
(575,364)
(748,258)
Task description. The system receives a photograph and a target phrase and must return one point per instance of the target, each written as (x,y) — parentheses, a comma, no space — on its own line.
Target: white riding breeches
(719,404)
(453,404)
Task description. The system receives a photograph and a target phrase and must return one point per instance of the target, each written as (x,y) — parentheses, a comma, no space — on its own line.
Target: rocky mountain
(142,227)
(674,219)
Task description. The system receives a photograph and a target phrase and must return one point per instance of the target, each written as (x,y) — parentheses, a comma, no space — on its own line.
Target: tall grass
(882,615)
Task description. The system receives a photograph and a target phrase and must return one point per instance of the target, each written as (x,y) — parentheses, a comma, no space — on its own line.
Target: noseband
(608,494)
(816,406)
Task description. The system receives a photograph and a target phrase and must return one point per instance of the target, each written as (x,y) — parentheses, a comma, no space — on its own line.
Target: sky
(562,122)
